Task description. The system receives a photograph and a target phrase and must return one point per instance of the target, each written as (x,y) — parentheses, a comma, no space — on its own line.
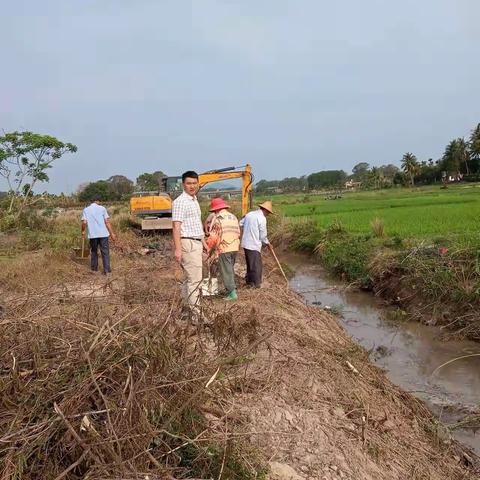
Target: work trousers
(253,259)
(95,243)
(226,264)
(192,267)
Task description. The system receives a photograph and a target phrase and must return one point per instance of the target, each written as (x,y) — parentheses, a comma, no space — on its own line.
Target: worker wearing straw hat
(254,236)
(223,242)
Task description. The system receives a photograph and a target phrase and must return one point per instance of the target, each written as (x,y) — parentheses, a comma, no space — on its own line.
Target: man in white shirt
(96,221)
(188,238)
(254,235)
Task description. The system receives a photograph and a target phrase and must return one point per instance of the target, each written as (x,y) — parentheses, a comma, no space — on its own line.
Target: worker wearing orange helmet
(223,242)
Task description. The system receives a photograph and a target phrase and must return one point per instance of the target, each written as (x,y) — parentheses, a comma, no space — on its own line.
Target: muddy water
(408,351)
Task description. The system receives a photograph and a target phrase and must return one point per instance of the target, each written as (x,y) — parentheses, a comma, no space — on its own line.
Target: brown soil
(295,386)
(328,413)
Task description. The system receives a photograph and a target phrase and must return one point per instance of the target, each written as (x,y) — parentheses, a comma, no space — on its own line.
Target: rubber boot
(232,296)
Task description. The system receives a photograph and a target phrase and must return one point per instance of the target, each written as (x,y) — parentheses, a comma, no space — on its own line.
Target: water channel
(409,352)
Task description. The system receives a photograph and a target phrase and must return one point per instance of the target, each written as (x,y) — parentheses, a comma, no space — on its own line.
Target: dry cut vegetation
(102,379)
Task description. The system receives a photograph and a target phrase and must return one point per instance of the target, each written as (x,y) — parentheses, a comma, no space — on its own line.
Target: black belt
(191,238)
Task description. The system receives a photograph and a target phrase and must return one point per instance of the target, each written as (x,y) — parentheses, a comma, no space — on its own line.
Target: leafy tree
(293,184)
(81,188)
(410,166)
(428,172)
(398,178)
(120,187)
(389,171)
(150,182)
(463,153)
(25,158)
(376,175)
(100,189)
(265,185)
(360,171)
(326,178)
(116,187)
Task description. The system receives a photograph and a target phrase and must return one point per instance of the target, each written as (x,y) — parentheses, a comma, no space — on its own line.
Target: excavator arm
(228,174)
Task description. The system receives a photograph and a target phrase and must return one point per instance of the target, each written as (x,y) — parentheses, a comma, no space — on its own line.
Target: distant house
(352,185)
(452,176)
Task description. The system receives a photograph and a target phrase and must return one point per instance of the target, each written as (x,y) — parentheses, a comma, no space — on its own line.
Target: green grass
(423,212)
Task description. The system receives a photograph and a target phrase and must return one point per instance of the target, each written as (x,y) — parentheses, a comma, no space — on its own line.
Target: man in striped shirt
(188,238)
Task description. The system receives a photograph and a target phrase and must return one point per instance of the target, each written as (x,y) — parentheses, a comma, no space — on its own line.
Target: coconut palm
(456,154)
(376,175)
(410,166)
(474,142)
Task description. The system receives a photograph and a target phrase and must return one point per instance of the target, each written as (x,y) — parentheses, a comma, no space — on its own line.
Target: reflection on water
(408,351)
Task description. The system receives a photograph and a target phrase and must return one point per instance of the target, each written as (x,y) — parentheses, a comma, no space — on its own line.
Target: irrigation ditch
(410,352)
(435,282)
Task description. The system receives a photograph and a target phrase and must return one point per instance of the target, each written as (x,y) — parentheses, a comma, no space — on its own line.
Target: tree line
(26,157)
(460,160)
(119,187)
(369,177)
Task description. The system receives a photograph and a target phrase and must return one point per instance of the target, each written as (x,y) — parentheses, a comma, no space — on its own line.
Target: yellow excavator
(155,210)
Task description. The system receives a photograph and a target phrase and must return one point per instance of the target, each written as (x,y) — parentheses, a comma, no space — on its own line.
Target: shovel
(80,253)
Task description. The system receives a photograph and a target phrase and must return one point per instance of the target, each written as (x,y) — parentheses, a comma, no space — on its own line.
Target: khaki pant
(192,266)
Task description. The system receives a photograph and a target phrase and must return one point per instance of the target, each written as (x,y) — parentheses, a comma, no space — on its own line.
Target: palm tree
(456,153)
(474,143)
(376,175)
(463,153)
(410,166)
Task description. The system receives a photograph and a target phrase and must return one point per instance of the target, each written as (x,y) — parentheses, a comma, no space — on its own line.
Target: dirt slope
(286,377)
(324,410)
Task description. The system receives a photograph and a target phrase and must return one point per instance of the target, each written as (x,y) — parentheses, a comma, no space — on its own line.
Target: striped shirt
(186,210)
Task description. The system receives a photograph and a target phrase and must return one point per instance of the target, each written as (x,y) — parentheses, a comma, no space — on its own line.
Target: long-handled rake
(278,263)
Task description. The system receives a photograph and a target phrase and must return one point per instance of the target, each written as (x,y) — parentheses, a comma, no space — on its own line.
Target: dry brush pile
(101,379)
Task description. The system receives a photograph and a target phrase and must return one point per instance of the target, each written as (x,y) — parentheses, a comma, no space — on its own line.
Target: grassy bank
(419,250)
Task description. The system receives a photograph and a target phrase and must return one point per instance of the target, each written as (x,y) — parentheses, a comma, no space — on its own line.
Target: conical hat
(267,206)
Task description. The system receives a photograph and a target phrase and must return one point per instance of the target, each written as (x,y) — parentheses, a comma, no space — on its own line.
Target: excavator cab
(172,186)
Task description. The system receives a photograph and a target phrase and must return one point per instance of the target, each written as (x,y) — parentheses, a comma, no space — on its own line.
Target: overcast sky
(291,86)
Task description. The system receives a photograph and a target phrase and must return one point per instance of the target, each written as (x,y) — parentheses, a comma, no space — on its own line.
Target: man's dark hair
(96,198)
(189,174)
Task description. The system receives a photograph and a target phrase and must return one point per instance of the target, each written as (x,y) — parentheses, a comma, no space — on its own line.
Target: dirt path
(302,393)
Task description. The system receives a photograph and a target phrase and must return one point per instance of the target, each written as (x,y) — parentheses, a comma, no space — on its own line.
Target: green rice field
(422,212)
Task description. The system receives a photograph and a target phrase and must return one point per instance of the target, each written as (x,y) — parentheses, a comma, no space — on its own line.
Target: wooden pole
(83,246)
(278,263)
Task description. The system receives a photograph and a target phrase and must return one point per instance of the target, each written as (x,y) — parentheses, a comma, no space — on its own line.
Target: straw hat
(267,206)
(218,204)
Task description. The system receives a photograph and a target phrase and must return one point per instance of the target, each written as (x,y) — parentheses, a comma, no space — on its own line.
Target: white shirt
(95,216)
(186,210)
(254,226)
